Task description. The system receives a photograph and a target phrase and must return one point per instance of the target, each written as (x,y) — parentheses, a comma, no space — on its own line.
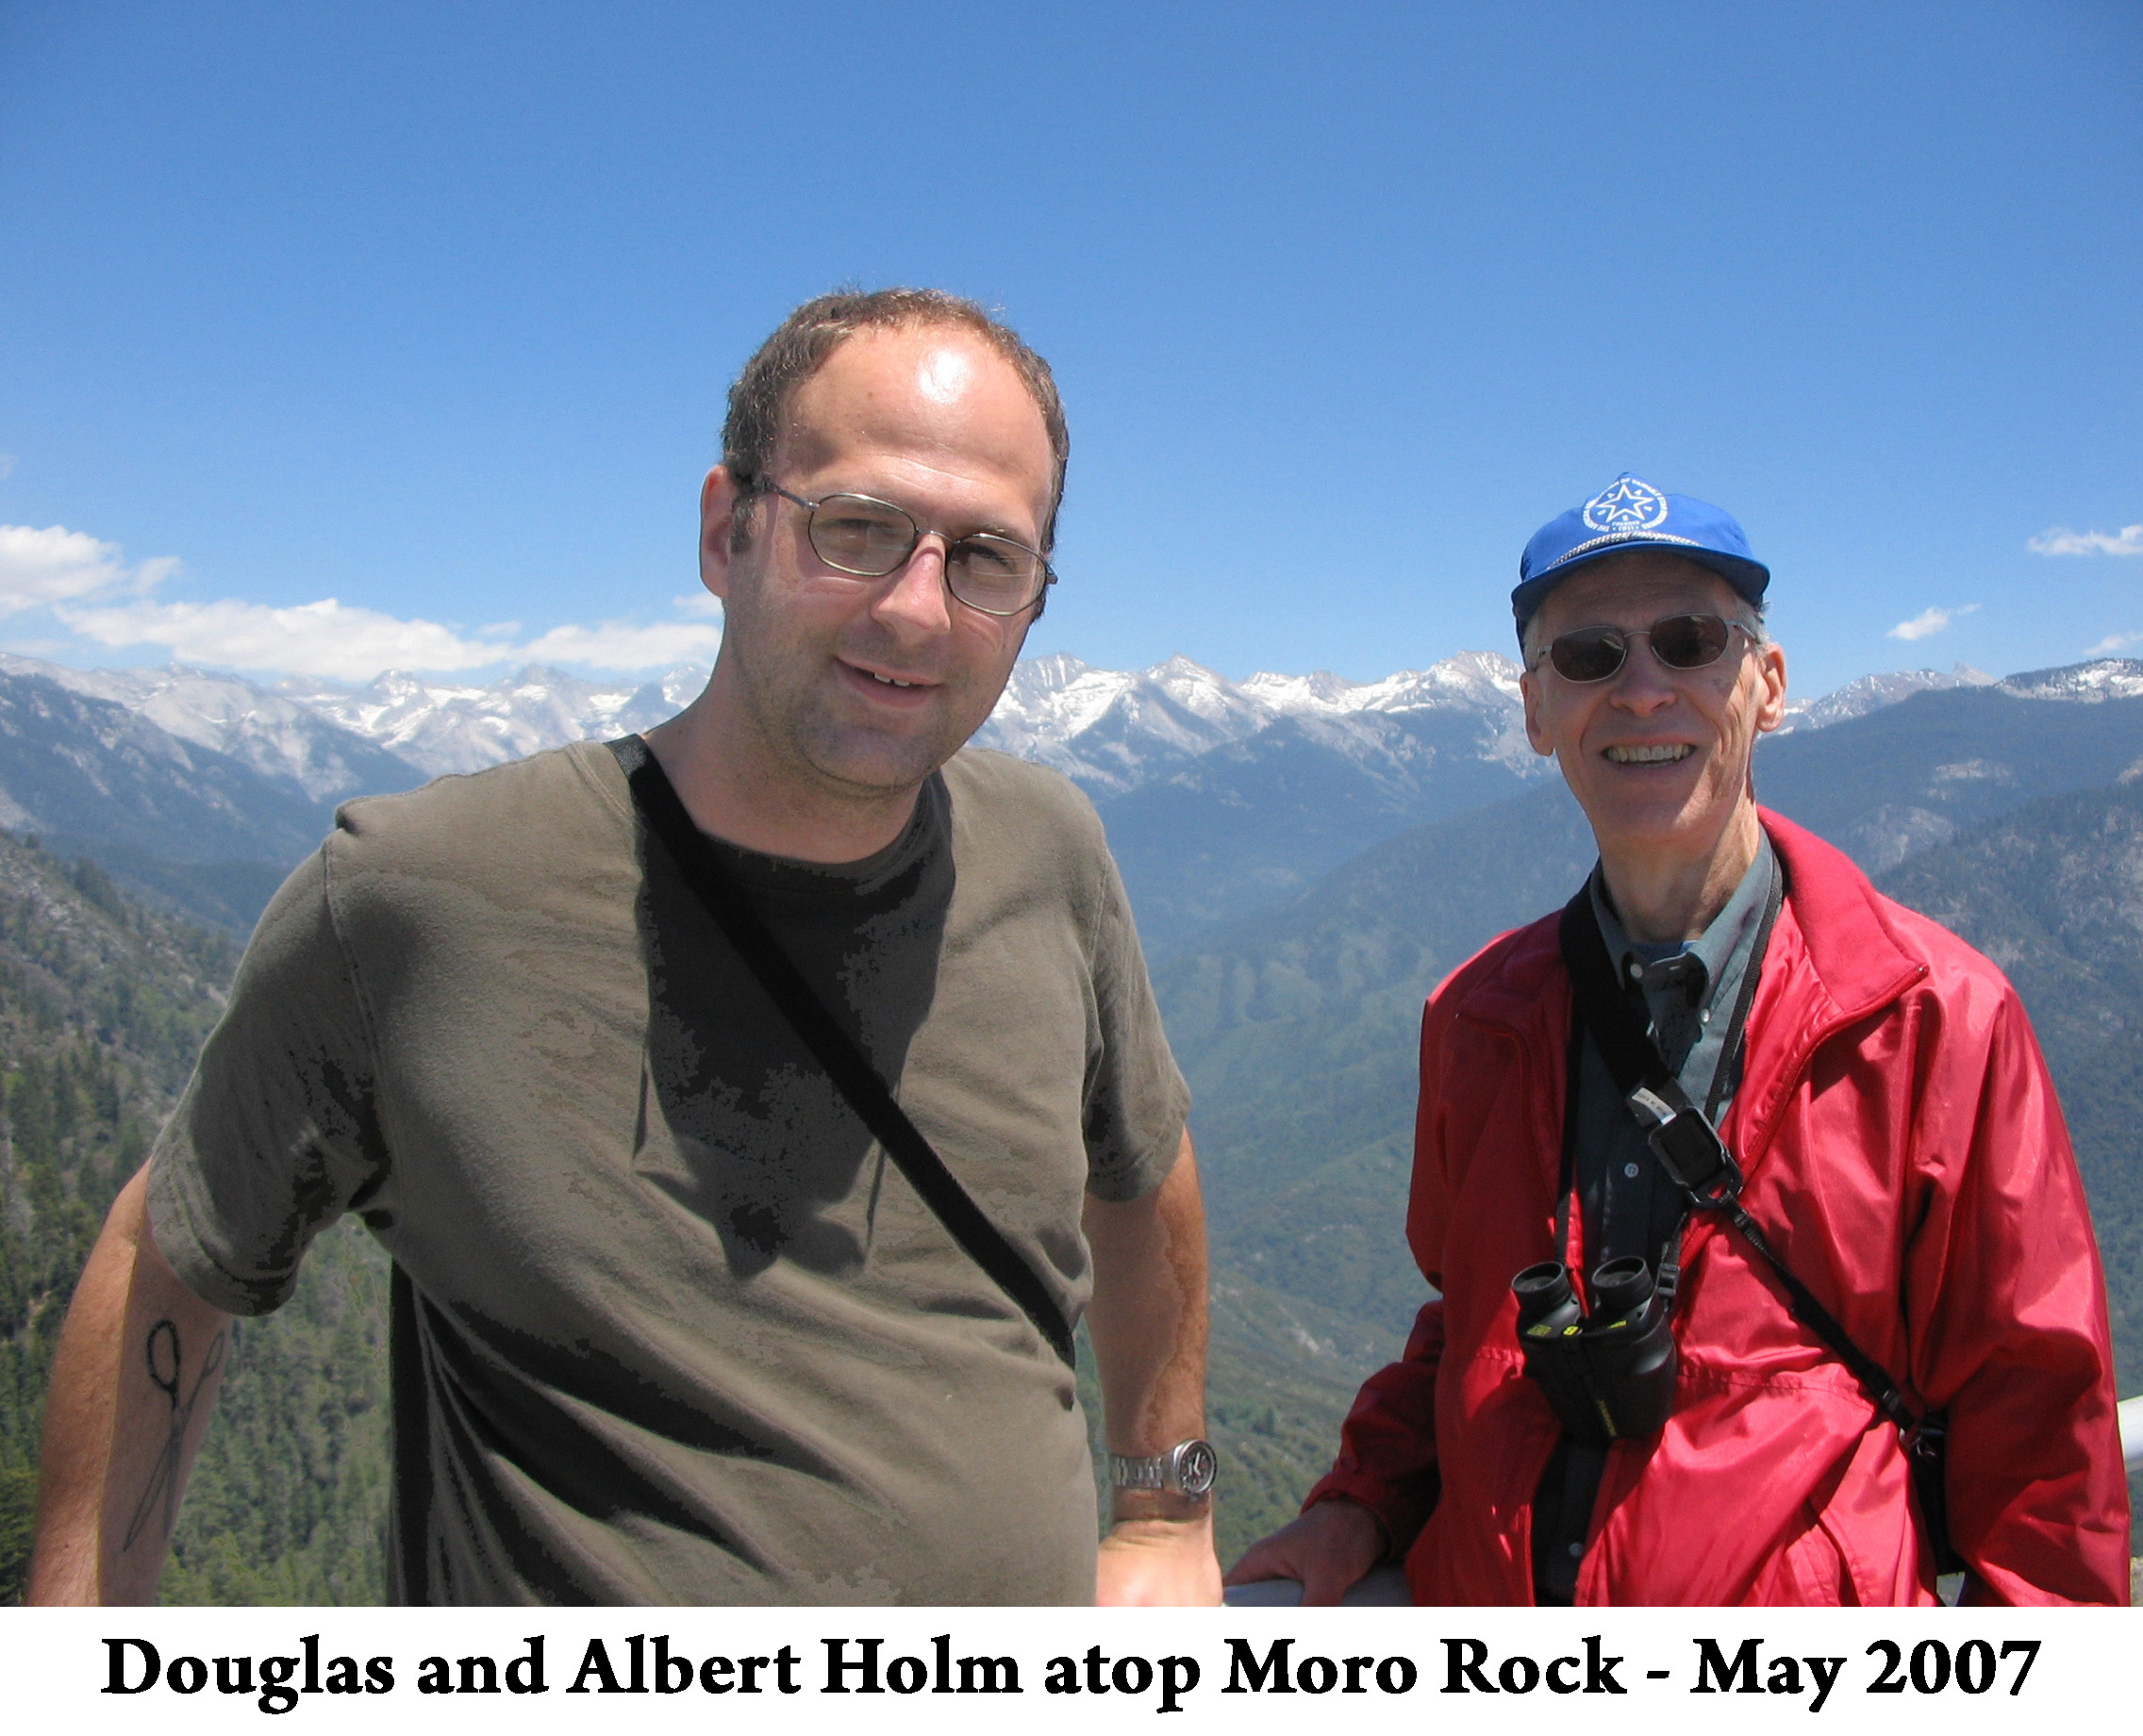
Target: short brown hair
(799,348)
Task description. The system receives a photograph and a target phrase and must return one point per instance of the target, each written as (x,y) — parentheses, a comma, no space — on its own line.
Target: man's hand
(1159,1562)
(1327,1551)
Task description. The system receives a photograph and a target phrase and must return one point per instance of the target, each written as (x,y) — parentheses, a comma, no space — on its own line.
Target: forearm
(139,1365)
(1148,1326)
(1147,1320)
(1387,1448)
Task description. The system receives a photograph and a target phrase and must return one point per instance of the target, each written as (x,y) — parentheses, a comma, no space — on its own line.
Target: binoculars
(1608,1373)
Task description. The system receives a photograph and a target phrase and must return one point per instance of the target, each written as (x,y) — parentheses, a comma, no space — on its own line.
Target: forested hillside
(2053,894)
(101,1009)
(103,1005)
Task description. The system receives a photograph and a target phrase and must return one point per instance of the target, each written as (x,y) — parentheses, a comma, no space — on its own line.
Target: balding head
(761,399)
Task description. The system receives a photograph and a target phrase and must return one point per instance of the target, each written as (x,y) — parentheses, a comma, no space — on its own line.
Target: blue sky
(429,309)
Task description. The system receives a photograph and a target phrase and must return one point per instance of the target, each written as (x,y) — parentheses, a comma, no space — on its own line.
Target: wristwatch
(1187,1468)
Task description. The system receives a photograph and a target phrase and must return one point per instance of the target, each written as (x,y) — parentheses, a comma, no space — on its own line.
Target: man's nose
(915,600)
(1644,684)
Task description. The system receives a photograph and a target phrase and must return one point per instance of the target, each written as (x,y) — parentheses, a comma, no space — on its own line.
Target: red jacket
(1904,1148)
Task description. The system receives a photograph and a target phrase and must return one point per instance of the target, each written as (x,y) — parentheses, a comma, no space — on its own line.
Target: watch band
(1187,1468)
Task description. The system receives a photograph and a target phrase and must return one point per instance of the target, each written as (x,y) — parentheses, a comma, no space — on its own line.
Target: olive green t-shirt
(677,1332)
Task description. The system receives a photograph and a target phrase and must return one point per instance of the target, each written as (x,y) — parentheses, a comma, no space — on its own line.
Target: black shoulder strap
(408,1528)
(831,1046)
(1690,1150)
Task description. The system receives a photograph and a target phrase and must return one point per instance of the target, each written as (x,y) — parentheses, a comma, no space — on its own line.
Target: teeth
(1663,754)
(887,680)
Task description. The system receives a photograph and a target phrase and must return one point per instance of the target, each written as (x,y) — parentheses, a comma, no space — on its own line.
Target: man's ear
(717,518)
(1770,672)
(1535,733)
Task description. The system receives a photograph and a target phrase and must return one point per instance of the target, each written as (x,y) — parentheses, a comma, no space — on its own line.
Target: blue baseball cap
(1632,513)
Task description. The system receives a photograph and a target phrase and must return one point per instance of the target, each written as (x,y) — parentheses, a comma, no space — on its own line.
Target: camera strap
(841,1057)
(1690,1150)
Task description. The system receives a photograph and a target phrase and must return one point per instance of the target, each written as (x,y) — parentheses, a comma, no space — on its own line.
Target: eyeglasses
(1679,641)
(855,534)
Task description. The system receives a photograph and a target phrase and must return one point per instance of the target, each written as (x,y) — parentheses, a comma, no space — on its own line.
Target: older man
(610,1048)
(1673,1365)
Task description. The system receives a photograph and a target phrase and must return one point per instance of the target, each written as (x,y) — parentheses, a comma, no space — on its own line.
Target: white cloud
(619,645)
(7,465)
(2062,540)
(88,589)
(2113,643)
(1929,622)
(43,567)
(339,642)
(327,638)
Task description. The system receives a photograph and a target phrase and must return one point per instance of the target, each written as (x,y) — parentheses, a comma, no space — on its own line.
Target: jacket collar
(1833,959)
(1852,949)
(1853,955)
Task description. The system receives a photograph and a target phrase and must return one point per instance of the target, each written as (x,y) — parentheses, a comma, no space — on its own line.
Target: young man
(1903,1157)
(669,1327)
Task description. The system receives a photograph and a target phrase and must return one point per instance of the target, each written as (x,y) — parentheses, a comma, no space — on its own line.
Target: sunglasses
(1678,642)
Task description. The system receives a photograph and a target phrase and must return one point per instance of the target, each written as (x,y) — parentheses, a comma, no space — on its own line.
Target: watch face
(1195,1467)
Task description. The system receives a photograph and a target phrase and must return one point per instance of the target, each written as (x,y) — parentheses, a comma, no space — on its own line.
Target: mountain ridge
(275,736)
(442,728)
(1221,798)
(435,726)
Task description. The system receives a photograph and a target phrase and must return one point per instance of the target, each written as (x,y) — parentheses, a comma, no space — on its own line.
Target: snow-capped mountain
(1867,693)
(1114,731)
(2083,684)
(1223,796)
(2088,683)
(276,737)
(1104,729)
(1220,797)
(443,726)
(1472,680)
(1111,731)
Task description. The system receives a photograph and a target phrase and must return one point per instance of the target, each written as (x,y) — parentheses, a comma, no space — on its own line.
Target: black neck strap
(844,1062)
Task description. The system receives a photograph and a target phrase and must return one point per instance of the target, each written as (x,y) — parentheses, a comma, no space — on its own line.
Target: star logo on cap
(1627,507)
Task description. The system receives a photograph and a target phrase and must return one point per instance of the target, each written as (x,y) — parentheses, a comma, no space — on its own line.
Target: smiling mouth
(889,681)
(1664,753)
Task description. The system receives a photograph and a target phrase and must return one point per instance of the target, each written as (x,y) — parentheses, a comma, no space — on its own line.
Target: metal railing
(1380,1586)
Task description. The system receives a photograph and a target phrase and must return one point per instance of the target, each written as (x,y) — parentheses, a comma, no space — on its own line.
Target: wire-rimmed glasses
(869,538)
